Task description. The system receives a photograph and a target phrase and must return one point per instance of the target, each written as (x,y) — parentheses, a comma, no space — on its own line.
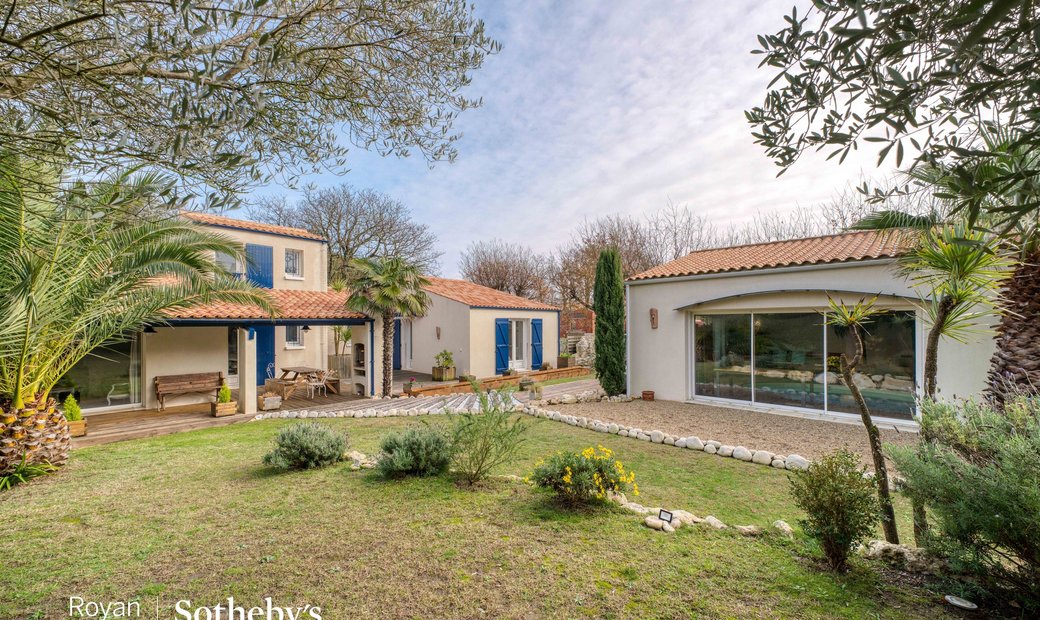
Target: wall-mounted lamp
(653,318)
(438,333)
(306,328)
(148,329)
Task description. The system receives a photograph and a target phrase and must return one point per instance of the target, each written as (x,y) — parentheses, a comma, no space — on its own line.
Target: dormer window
(294,264)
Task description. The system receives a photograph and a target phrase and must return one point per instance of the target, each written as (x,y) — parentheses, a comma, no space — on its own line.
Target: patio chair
(118,391)
(320,382)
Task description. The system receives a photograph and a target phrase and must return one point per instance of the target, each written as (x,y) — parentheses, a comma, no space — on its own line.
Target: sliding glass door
(791,359)
(109,376)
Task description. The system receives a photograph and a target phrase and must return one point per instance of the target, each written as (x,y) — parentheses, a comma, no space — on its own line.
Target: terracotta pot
(77,428)
(648,394)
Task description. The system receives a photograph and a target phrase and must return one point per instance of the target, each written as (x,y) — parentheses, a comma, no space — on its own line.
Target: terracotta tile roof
(839,248)
(290,305)
(472,294)
(219,220)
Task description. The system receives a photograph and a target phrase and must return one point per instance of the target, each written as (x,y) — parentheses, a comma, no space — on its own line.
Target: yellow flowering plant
(582,477)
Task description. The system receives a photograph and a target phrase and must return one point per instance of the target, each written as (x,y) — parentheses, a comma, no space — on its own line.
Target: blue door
(260,265)
(260,271)
(536,344)
(397,344)
(264,351)
(501,345)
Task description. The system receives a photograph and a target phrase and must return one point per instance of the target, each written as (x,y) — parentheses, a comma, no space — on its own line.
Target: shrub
(583,477)
(71,409)
(976,469)
(422,451)
(24,472)
(609,305)
(306,445)
(445,359)
(841,504)
(224,394)
(481,442)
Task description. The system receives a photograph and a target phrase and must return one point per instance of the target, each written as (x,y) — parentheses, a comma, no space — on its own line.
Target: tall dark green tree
(608,302)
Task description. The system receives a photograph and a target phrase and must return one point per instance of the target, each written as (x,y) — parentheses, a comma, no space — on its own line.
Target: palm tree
(853,320)
(997,183)
(78,269)
(387,288)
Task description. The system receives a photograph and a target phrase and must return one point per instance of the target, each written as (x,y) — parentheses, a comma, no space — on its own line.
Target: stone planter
(78,428)
(443,373)
(220,410)
(268,402)
(563,362)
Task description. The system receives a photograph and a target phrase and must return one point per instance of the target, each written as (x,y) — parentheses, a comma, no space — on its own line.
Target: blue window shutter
(501,345)
(536,344)
(260,265)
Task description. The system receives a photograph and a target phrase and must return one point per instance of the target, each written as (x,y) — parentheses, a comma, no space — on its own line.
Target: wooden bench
(197,383)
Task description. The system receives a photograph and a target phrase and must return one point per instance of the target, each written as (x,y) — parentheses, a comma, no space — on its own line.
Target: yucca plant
(81,266)
(387,288)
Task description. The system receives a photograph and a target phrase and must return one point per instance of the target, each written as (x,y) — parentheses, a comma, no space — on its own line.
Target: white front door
(518,344)
(406,344)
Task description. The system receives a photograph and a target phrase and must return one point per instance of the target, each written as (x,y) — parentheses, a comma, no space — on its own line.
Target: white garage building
(745,326)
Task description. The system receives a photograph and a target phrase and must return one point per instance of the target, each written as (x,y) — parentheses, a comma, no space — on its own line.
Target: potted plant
(563,360)
(74,416)
(268,401)
(545,366)
(224,405)
(526,383)
(445,368)
(410,385)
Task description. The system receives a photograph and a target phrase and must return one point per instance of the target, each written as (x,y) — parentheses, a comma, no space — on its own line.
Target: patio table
(293,376)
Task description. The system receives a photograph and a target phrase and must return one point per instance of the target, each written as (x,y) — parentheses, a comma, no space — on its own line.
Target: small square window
(294,263)
(293,336)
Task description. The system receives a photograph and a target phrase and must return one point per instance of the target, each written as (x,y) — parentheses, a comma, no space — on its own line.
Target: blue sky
(594,108)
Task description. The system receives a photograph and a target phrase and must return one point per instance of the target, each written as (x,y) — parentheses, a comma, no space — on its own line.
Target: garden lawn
(196,516)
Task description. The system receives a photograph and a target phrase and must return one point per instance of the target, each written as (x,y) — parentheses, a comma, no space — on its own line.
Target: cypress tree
(608,302)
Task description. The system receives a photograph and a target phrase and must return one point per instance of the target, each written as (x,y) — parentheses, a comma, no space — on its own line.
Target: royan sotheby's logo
(185,610)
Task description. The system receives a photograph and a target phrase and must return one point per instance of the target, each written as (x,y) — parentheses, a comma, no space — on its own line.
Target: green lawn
(195,516)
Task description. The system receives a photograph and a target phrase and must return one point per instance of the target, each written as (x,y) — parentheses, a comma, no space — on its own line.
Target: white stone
(712,442)
(725,451)
(714,522)
(742,454)
(612,428)
(644,437)
(761,457)
(634,507)
(668,528)
(779,463)
(680,443)
(623,433)
(568,399)
(748,530)
(654,523)
(796,462)
(783,528)
(694,443)
(669,441)
(710,449)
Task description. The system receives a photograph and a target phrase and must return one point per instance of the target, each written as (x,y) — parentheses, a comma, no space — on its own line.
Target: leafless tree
(357,223)
(510,267)
(224,92)
(676,230)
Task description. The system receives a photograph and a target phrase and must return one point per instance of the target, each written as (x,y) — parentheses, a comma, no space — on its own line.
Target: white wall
(453,319)
(658,359)
(482,336)
(179,351)
(315,257)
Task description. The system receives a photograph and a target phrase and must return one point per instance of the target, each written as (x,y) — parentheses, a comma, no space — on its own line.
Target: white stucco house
(744,326)
(486,330)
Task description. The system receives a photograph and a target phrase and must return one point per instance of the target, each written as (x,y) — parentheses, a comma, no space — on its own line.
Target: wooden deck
(105,428)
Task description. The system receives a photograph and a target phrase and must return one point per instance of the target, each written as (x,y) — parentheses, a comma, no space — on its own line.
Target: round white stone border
(792,462)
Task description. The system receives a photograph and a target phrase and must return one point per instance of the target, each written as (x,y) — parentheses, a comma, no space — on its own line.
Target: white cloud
(606,107)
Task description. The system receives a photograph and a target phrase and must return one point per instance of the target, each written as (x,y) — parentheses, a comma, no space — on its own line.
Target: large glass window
(886,373)
(789,359)
(110,375)
(791,364)
(722,353)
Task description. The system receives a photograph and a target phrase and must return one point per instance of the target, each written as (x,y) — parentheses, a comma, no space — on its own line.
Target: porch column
(246,371)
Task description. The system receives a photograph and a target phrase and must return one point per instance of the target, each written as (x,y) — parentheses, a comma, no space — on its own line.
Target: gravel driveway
(759,431)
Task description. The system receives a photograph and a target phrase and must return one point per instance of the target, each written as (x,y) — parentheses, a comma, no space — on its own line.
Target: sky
(595,108)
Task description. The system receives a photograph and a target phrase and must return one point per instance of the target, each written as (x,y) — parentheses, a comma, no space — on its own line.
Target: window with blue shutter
(536,344)
(501,345)
(260,265)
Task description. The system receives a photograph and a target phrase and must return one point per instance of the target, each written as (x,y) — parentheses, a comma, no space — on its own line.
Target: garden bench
(197,383)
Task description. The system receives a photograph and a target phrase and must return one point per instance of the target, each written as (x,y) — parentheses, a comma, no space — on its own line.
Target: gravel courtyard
(751,429)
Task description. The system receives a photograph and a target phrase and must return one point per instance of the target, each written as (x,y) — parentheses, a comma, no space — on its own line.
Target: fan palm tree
(853,319)
(80,269)
(387,288)
(996,181)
